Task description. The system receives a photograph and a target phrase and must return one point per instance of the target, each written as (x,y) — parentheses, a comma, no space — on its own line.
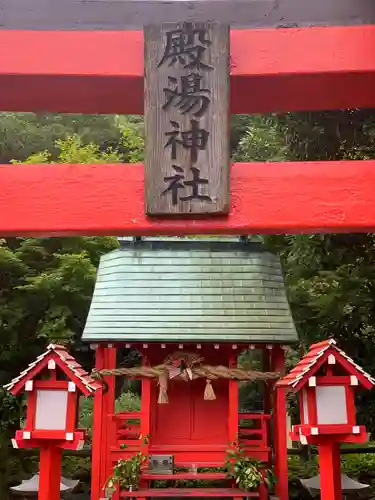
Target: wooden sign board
(186,119)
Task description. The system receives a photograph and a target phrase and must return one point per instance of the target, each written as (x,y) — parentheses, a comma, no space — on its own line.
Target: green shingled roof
(173,291)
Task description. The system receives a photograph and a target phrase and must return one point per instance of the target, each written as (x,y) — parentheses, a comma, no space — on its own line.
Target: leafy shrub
(360,466)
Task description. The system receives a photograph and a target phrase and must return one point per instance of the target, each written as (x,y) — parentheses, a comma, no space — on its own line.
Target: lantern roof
(61,357)
(190,290)
(319,354)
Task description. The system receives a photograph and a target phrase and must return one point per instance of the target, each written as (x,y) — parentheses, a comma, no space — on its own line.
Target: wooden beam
(271,70)
(122,14)
(265,198)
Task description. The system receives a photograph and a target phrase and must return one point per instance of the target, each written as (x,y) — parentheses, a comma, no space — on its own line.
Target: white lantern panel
(51,410)
(331,404)
(305,410)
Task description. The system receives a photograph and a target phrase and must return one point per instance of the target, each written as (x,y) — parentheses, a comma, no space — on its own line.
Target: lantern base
(39,439)
(337,433)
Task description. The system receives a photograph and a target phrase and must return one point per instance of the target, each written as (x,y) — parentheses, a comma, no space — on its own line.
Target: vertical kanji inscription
(186,119)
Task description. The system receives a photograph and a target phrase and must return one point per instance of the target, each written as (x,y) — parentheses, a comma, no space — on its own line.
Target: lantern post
(326,380)
(52,384)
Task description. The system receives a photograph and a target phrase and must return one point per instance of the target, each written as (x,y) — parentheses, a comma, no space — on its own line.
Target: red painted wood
(145,421)
(350,405)
(254,437)
(37,368)
(302,415)
(329,429)
(71,417)
(311,405)
(263,491)
(146,404)
(280,428)
(233,419)
(189,492)
(51,383)
(330,470)
(48,435)
(50,473)
(209,476)
(268,389)
(97,443)
(351,369)
(189,420)
(288,197)
(63,365)
(294,69)
(362,437)
(347,365)
(30,411)
(108,430)
(333,380)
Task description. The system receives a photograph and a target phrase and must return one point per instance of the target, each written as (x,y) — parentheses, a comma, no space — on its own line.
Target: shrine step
(189,492)
(209,476)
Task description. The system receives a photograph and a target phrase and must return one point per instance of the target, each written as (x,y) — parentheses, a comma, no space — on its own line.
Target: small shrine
(190,308)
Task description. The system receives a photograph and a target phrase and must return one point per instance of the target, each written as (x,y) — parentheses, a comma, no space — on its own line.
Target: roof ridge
(311,358)
(69,361)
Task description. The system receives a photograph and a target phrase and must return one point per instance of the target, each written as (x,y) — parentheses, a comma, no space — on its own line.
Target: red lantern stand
(52,383)
(326,380)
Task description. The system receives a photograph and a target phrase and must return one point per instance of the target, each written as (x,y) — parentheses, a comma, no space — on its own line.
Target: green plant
(127,471)
(247,472)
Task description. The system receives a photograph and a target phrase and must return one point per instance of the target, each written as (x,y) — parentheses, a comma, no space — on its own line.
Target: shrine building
(190,307)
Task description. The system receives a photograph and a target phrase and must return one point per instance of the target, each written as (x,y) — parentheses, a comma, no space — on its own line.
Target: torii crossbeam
(272,70)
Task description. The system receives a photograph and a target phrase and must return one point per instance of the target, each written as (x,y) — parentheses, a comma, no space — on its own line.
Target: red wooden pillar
(263,491)
(97,434)
(233,403)
(267,407)
(145,405)
(50,472)
(267,390)
(108,411)
(104,404)
(330,470)
(280,428)
(145,414)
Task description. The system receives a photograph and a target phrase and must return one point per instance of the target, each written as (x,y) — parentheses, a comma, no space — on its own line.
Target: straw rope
(200,371)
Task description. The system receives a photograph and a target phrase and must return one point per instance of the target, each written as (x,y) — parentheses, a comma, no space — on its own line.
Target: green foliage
(359,466)
(126,402)
(245,471)
(27,134)
(132,142)
(262,141)
(330,281)
(127,472)
(72,150)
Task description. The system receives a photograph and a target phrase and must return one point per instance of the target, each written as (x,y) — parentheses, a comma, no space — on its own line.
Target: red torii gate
(102,72)
(272,70)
